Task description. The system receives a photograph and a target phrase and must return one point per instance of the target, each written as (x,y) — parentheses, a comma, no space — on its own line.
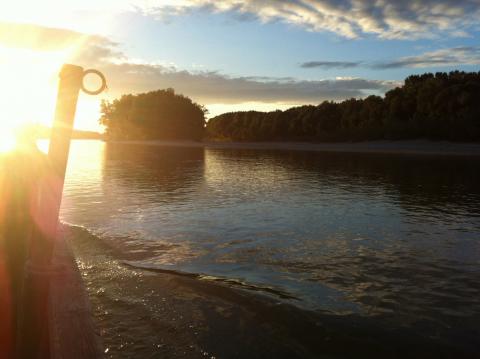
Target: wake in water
(144,313)
(229,281)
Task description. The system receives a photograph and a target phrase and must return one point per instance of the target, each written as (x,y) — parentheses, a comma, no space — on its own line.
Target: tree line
(440,106)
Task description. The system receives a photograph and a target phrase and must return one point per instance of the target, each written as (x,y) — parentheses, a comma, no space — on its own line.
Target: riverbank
(412,147)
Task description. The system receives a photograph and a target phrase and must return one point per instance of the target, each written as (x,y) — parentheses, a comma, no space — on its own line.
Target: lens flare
(7,140)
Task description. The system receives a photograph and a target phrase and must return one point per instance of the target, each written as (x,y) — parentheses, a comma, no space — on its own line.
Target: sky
(228,55)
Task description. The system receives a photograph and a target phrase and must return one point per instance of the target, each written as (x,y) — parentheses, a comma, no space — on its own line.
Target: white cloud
(389,19)
(126,75)
(212,87)
(351,18)
(132,75)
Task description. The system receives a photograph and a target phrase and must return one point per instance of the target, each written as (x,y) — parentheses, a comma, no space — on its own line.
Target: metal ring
(99,74)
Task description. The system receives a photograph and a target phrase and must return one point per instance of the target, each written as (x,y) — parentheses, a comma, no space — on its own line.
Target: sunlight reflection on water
(369,234)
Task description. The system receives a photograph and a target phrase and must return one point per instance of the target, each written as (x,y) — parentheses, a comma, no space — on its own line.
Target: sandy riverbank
(416,147)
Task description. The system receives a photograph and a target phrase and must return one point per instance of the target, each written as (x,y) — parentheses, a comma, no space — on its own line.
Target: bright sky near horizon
(228,55)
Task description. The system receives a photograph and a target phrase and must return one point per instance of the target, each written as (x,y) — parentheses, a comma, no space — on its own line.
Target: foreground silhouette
(437,106)
(18,187)
(43,298)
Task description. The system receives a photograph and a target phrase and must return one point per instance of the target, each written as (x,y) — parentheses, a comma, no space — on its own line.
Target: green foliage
(158,114)
(441,106)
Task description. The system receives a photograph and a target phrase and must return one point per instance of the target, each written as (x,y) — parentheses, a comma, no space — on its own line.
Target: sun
(28,91)
(7,141)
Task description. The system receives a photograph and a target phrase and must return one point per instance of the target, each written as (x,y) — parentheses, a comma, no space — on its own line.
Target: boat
(48,306)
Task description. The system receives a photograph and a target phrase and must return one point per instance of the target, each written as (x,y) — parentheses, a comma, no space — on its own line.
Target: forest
(160,114)
(440,106)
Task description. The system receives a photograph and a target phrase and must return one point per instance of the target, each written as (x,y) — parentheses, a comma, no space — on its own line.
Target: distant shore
(414,147)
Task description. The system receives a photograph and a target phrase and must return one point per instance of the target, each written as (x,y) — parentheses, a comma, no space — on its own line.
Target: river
(365,236)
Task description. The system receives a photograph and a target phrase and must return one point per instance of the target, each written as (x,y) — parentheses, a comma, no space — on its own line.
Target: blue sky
(254,54)
(224,42)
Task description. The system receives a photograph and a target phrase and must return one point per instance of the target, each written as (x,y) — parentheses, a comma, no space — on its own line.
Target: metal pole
(71,79)
(51,187)
(33,339)
(34,326)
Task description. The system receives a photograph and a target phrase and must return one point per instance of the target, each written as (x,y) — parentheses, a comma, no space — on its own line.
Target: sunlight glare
(7,140)
(29,79)
(28,87)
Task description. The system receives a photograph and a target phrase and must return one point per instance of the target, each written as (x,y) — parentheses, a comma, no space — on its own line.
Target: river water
(388,236)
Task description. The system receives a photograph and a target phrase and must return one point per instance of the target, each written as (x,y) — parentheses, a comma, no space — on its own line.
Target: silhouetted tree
(161,114)
(436,106)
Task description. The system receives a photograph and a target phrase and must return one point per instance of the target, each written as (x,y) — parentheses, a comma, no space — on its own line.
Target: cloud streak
(444,57)
(37,38)
(455,56)
(329,64)
(390,19)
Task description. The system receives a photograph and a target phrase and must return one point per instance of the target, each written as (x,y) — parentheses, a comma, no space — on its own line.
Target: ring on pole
(99,74)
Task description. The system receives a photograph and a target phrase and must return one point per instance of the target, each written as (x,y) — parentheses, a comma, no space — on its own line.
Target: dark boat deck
(72,333)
